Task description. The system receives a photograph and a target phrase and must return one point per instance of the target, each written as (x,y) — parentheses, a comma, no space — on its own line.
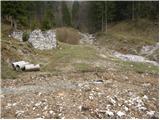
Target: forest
(86,16)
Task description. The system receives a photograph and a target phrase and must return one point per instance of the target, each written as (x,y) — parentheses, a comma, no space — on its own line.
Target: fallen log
(32,67)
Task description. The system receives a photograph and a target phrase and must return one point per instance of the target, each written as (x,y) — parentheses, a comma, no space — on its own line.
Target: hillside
(82,80)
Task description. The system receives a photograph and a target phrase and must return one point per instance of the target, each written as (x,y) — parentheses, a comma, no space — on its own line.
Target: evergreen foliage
(66,17)
(43,14)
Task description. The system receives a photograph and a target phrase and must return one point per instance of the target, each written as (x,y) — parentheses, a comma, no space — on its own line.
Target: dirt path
(109,94)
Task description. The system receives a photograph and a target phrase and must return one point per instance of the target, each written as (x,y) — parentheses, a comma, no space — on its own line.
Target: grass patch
(7,72)
(82,67)
(139,67)
(67,53)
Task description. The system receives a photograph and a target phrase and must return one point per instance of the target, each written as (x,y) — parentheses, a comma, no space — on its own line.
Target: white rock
(109,113)
(43,40)
(120,114)
(125,108)
(150,113)
(145,97)
(14,104)
(51,111)
(38,104)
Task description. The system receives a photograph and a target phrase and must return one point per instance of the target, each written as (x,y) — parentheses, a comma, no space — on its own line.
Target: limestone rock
(43,40)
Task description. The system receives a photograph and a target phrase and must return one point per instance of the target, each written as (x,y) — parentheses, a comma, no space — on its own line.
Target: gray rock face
(43,40)
(17,35)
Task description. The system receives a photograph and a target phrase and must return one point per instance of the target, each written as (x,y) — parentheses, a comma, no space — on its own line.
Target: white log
(32,67)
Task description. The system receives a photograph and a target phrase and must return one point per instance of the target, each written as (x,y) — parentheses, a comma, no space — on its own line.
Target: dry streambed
(109,94)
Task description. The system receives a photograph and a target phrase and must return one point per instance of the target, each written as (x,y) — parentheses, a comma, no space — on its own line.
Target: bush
(67,35)
(46,25)
(25,36)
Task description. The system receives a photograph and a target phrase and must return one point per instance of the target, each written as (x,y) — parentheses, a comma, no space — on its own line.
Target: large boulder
(17,35)
(43,40)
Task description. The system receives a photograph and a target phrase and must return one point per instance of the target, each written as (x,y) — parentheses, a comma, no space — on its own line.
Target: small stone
(51,111)
(145,97)
(142,108)
(126,78)
(38,104)
(45,108)
(14,104)
(150,113)
(120,114)
(109,113)
(39,93)
(125,108)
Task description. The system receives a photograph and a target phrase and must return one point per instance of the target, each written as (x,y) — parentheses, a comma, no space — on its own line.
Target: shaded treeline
(87,16)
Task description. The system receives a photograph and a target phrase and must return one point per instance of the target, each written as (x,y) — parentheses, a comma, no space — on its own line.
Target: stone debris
(151,113)
(19,113)
(149,49)
(133,58)
(86,38)
(43,40)
(17,35)
(112,103)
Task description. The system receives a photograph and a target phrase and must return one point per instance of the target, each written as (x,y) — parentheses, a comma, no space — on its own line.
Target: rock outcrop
(43,40)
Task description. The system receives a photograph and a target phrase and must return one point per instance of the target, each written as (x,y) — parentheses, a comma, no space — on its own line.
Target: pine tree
(66,15)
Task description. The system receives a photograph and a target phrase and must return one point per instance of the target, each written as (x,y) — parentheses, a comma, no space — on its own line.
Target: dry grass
(129,36)
(67,35)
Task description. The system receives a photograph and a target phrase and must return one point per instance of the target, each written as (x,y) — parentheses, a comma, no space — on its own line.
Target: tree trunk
(133,14)
(105,15)
(102,22)
(14,24)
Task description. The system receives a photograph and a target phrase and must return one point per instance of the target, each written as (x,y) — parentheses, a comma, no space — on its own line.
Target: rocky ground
(109,94)
(78,81)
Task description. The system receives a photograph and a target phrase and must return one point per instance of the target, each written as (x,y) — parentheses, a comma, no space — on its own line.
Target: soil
(108,94)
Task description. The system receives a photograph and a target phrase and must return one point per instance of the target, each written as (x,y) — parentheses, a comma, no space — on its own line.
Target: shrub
(67,35)
(25,36)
